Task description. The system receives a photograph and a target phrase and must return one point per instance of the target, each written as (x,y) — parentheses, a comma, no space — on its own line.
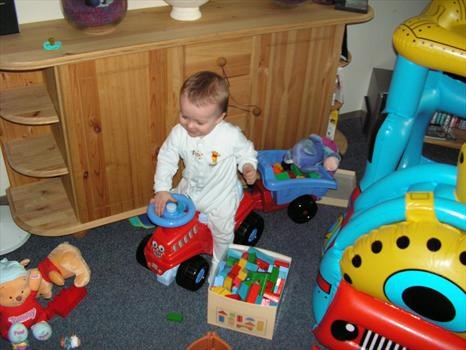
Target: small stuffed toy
(311,152)
(63,262)
(20,288)
(19,308)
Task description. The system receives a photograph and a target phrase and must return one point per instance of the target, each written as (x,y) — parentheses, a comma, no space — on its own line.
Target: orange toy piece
(209,342)
(277,168)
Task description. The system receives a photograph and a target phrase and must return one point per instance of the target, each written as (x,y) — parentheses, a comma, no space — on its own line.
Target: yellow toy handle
(436,38)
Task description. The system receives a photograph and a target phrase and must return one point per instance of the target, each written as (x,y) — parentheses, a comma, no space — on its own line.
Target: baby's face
(199,120)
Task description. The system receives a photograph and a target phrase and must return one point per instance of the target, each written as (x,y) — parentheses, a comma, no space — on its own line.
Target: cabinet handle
(256,111)
(221,62)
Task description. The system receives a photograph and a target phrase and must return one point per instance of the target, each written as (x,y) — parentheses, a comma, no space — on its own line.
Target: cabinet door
(118,111)
(293,83)
(231,58)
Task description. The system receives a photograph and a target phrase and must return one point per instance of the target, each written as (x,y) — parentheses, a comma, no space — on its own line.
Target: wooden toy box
(241,316)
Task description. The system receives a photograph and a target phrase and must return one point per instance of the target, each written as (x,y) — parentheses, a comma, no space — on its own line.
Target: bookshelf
(446,130)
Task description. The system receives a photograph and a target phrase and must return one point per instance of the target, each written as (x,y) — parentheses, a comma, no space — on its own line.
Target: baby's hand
(160,200)
(249,173)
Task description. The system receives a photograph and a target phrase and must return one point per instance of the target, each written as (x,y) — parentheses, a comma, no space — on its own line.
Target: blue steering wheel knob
(174,214)
(170,209)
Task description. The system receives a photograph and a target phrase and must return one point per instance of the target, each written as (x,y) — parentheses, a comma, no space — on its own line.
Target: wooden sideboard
(80,126)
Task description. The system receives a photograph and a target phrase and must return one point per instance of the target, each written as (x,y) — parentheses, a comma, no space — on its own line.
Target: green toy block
(296,170)
(273,276)
(314,175)
(231,261)
(282,176)
(252,257)
(175,317)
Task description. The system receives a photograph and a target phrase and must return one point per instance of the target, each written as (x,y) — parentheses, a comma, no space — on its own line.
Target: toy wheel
(302,209)
(140,257)
(175,214)
(192,273)
(250,230)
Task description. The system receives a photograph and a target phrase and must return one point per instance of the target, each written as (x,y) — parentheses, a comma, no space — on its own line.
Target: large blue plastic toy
(394,265)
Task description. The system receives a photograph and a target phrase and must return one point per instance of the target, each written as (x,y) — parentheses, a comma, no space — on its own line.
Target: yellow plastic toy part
(421,243)
(436,38)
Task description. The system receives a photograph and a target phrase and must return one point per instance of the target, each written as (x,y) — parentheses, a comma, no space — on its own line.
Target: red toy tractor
(174,250)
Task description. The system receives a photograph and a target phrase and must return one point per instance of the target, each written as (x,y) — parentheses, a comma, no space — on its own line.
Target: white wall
(369,43)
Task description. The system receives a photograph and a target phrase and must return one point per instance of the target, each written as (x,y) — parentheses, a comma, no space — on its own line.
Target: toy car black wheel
(140,257)
(250,230)
(302,209)
(192,273)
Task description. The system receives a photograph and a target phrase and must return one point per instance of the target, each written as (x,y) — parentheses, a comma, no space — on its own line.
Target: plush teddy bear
(311,152)
(63,262)
(19,308)
(20,288)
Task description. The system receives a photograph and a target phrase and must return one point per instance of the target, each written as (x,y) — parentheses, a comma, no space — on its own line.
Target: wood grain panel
(82,108)
(234,54)
(118,124)
(232,59)
(295,79)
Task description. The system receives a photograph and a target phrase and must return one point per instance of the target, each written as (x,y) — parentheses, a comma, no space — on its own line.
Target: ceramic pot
(94,16)
(186,10)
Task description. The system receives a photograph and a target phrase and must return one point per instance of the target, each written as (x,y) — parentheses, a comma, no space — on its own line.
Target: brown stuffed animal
(63,262)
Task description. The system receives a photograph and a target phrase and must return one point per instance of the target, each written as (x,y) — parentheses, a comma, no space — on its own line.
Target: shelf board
(29,105)
(153,28)
(460,140)
(36,156)
(42,207)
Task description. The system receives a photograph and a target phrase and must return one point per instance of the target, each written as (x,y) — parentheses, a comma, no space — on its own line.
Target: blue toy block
(243,290)
(233,253)
(218,281)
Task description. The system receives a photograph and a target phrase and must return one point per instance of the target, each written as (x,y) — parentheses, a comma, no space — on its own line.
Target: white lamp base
(11,236)
(185,13)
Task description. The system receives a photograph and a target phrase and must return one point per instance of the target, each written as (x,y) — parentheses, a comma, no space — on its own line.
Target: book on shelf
(438,132)
(442,124)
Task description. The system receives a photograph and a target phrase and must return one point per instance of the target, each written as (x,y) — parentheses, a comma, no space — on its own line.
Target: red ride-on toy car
(175,248)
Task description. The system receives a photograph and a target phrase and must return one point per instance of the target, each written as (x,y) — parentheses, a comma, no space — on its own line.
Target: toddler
(212,151)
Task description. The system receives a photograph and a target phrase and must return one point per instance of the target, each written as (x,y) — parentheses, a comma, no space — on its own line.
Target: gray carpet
(126,307)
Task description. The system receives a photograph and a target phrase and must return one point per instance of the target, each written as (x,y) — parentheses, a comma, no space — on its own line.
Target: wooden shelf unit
(80,126)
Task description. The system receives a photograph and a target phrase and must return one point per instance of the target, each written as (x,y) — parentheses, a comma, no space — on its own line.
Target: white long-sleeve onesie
(210,175)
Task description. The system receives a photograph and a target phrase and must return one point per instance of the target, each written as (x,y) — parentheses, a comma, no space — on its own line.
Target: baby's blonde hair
(206,88)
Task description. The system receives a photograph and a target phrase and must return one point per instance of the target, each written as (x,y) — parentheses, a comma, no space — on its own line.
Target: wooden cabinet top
(153,28)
